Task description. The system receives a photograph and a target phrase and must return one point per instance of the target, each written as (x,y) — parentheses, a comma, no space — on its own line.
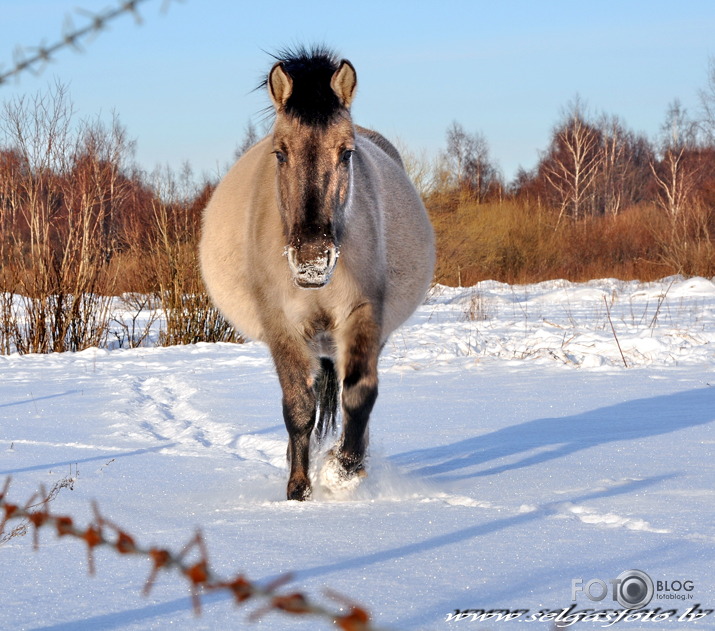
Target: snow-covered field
(514,450)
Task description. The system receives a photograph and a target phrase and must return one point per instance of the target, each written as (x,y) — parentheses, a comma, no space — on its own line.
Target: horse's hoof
(299,490)
(337,479)
(352,465)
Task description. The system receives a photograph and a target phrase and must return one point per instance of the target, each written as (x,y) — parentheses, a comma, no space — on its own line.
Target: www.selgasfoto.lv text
(569,615)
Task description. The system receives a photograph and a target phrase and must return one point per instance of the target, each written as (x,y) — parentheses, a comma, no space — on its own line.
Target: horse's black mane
(312,100)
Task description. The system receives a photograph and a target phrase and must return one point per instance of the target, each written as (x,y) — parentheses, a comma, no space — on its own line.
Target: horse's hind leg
(360,350)
(295,373)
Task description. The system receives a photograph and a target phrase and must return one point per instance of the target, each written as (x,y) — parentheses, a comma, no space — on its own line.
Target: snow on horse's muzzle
(312,266)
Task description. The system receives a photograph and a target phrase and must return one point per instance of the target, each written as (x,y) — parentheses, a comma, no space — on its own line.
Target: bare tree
(676,172)
(97,184)
(624,168)
(457,150)
(188,312)
(419,167)
(572,162)
(615,163)
(250,138)
(469,162)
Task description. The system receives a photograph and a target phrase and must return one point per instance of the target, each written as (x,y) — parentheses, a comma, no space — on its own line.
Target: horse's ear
(344,82)
(280,85)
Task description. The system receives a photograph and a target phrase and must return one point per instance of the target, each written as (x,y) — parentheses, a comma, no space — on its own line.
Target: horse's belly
(236,303)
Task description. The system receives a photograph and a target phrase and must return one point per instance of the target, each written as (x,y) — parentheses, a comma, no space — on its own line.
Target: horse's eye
(280,156)
(346,155)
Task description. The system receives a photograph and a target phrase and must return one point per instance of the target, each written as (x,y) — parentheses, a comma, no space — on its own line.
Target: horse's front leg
(295,372)
(360,348)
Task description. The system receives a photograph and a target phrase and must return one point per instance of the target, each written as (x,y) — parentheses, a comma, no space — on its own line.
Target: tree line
(593,165)
(601,200)
(82,222)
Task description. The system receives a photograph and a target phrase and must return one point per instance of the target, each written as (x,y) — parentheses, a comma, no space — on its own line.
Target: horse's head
(313,143)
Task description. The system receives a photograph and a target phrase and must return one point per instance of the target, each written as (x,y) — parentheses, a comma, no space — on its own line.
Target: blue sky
(182,81)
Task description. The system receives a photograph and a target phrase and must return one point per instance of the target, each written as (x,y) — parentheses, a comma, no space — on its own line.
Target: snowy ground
(514,448)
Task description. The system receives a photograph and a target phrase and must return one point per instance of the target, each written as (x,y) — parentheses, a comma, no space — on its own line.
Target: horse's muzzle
(312,267)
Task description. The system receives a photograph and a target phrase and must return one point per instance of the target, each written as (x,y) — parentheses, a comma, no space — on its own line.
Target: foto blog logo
(632,589)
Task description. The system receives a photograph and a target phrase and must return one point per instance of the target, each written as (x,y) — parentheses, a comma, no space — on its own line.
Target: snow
(514,448)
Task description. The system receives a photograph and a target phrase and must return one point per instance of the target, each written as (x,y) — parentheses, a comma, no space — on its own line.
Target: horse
(316,243)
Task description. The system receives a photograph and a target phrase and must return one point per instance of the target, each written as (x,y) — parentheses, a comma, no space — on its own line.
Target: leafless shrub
(188,313)
(140,312)
(688,247)
(79,223)
(478,308)
(54,215)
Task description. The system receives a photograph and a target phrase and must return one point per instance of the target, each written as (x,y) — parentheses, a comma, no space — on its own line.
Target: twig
(101,532)
(608,313)
(44,498)
(661,300)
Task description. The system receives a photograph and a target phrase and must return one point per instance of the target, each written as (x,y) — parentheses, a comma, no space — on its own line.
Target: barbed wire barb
(69,34)
(131,7)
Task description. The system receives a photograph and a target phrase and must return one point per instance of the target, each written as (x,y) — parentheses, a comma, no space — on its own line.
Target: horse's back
(407,232)
(377,138)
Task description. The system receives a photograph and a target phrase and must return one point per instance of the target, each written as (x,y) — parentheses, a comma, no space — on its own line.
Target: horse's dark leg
(361,347)
(294,368)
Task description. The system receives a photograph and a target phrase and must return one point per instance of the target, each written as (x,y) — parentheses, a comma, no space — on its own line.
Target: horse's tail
(327,391)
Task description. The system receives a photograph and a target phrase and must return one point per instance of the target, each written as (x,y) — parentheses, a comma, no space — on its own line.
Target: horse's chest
(315,325)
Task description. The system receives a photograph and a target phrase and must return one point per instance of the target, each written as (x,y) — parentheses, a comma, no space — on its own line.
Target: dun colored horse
(316,243)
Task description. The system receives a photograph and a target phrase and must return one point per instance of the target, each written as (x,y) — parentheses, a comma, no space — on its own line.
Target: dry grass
(516,243)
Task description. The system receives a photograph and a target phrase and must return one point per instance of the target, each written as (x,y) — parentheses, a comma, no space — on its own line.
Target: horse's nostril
(312,265)
(333,253)
(316,256)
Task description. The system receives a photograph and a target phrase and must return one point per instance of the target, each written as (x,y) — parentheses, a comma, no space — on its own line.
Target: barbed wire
(34,59)
(101,532)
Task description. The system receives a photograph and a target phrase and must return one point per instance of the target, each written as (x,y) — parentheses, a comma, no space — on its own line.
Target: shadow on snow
(558,437)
